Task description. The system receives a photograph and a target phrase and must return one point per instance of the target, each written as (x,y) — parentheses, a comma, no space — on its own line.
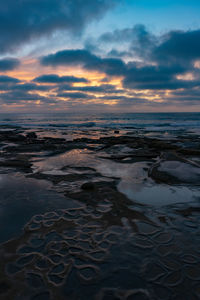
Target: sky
(100,55)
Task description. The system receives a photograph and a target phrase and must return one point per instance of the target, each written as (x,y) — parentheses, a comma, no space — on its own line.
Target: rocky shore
(111,216)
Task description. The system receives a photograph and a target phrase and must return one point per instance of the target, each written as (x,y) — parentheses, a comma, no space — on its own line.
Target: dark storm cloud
(17,96)
(20,21)
(122,98)
(8,79)
(30,87)
(8,64)
(23,96)
(84,58)
(76,95)
(162,59)
(157,77)
(13,90)
(53,78)
(136,75)
(93,89)
(102,89)
(79,57)
(12,85)
(178,47)
(170,85)
(186,95)
(174,55)
(110,66)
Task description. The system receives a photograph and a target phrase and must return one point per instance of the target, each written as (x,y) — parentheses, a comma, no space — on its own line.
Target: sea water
(147,121)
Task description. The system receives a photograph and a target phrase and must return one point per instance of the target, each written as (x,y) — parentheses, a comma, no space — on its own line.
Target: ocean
(146,121)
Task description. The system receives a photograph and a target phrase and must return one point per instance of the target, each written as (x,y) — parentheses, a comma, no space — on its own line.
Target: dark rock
(171,156)
(163,176)
(31,135)
(188,211)
(15,138)
(50,140)
(42,296)
(4,287)
(88,186)
(16,163)
(160,176)
(189,152)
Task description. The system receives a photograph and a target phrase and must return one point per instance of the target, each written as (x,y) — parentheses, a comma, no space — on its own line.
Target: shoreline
(82,200)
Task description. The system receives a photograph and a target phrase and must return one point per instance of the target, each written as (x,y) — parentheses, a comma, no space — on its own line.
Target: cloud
(13,84)
(30,87)
(156,77)
(189,95)
(117,53)
(104,88)
(139,39)
(53,78)
(76,95)
(164,71)
(136,42)
(174,47)
(21,21)
(100,89)
(135,75)
(8,64)
(13,90)
(181,47)
(23,96)
(70,58)
(8,79)
(84,58)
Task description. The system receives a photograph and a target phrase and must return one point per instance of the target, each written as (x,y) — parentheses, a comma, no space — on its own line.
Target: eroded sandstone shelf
(99,216)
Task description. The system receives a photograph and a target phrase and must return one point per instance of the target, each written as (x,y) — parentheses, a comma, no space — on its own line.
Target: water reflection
(21,198)
(134,181)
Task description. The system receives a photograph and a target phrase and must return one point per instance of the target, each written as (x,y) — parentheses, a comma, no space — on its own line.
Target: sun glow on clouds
(187,76)
(31,69)
(76,86)
(197,64)
(71,55)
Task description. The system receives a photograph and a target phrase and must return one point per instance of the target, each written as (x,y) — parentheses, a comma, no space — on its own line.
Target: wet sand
(99,214)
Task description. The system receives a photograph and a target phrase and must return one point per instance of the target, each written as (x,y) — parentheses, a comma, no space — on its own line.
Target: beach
(100,206)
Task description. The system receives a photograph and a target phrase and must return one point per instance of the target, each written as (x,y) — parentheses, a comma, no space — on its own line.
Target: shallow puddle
(159,194)
(21,198)
(134,180)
